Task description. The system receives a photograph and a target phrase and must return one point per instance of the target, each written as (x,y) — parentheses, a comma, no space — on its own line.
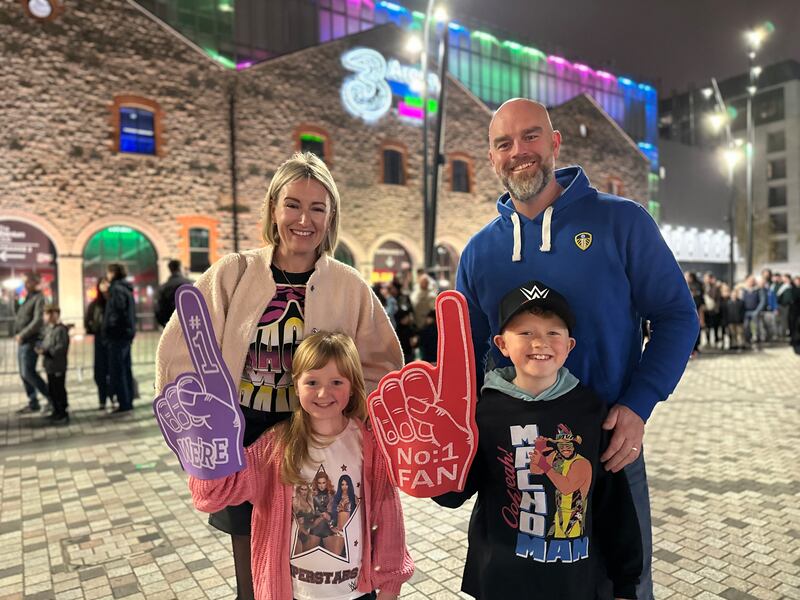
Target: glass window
(768,107)
(778,251)
(776,141)
(393,171)
(777,196)
(313,143)
(460,173)
(198,249)
(137,132)
(778,223)
(776,169)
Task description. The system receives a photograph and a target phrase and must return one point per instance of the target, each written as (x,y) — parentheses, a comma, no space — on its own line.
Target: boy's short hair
(538,295)
(48,308)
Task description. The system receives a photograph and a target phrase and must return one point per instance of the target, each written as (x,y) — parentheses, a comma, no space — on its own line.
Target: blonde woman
(263,303)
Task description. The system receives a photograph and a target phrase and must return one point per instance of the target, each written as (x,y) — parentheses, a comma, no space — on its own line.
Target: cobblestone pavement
(100,509)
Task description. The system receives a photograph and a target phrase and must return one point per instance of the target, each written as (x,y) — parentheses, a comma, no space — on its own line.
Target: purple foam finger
(199,413)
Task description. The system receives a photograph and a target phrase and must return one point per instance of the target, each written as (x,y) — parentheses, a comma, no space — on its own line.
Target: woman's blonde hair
(297,435)
(301,166)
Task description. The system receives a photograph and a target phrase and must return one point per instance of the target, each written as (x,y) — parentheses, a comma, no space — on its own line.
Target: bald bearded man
(605,254)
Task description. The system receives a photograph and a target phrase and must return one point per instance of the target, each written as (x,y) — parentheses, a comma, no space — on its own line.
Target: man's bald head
(516,107)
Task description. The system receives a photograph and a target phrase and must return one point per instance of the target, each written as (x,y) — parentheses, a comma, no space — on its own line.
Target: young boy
(54,348)
(547,513)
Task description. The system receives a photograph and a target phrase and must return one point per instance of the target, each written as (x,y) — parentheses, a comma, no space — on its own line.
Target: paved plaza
(100,508)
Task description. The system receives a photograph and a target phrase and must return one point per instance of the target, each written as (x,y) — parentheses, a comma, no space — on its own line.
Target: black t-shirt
(529,538)
(266,392)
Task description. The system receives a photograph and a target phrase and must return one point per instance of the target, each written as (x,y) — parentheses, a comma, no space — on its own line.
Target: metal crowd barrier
(81,352)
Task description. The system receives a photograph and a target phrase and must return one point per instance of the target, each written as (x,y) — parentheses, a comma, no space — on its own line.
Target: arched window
(615,186)
(137,125)
(198,241)
(391,260)
(460,173)
(199,249)
(445,269)
(123,244)
(343,254)
(310,138)
(393,164)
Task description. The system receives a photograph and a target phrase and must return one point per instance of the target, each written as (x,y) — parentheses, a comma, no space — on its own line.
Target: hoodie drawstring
(548,214)
(516,256)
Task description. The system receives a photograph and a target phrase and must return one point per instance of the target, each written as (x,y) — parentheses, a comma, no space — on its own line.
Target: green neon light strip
(486,37)
(225,62)
(416,102)
(310,137)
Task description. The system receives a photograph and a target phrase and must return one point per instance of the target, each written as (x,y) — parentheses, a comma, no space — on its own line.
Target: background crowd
(758,310)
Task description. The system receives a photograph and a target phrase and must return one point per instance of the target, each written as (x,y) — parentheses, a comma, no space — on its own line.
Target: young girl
(309,539)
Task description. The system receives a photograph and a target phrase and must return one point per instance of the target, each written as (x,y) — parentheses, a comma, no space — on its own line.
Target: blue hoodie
(605,254)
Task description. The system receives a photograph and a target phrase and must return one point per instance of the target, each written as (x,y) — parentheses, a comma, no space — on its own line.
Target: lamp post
(719,119)
(755,37)
(430,177)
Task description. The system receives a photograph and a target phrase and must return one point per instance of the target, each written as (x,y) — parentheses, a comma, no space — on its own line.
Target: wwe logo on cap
(534,293)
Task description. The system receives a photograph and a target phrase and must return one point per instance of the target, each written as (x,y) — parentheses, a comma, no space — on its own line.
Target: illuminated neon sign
(368,93)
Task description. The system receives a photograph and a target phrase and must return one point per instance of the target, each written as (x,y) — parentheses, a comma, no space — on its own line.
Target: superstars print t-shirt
(326,541)
(266,392)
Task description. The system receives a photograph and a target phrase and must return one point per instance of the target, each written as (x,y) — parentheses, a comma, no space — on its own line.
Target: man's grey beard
(526,188)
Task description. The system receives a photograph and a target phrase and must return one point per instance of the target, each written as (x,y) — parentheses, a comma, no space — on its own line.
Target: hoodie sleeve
(615,527)
(660,295)
(478,321)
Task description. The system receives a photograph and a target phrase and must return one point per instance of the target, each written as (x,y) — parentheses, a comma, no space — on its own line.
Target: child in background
(54,348)
(327,522)
(734,314)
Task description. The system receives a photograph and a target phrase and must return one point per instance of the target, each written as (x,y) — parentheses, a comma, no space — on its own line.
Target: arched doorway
(446,265)
(343,254)
(24,248)
(391,260)
(133,249)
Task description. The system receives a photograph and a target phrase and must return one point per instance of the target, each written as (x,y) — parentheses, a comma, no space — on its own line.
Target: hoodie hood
(500,380)
(575,185)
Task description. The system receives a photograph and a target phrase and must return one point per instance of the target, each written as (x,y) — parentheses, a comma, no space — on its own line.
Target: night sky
(670,43)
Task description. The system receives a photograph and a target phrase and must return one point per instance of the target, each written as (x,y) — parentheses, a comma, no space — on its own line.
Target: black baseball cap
(535,293)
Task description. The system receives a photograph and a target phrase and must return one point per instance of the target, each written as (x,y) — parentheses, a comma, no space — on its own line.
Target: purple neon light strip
(404,110)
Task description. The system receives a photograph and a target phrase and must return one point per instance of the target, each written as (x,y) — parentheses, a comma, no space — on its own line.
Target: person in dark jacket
(93,324)
(165,297)
(119,328)
(734,320)
(54,349)
(755,300)
(28,327)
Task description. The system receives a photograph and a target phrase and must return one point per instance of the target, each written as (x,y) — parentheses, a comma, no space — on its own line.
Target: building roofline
(177,34)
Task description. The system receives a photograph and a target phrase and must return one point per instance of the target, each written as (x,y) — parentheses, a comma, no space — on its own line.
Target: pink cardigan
(385,562)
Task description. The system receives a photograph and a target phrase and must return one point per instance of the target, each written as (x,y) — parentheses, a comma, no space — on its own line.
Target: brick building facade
(65,176)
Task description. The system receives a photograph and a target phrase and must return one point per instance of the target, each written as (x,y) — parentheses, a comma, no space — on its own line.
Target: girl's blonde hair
(301,166)
(297,435)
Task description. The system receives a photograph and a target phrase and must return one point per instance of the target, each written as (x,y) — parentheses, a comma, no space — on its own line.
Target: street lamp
(430,180)
(731,154)
(755,37)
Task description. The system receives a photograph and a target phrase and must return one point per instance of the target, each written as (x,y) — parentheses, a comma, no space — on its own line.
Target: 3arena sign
(370,91)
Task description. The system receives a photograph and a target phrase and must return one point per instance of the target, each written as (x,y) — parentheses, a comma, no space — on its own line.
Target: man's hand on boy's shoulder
(626,441)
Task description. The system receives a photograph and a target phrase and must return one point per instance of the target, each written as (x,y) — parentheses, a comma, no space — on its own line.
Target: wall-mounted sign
(24,246)
(370,92)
